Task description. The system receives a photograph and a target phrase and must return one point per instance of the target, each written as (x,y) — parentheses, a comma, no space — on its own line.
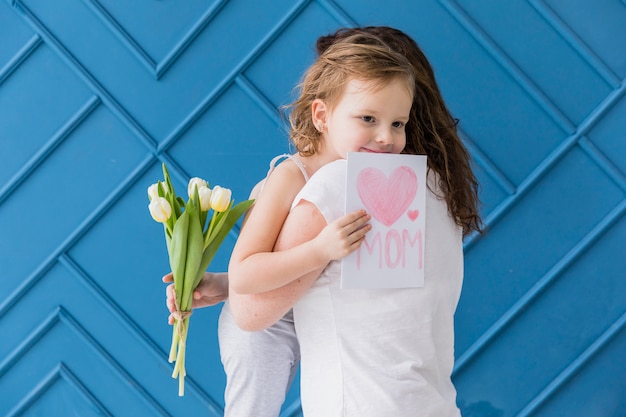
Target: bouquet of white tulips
(192,241)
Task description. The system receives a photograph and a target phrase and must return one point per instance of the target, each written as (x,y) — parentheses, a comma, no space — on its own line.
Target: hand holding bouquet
(193,237)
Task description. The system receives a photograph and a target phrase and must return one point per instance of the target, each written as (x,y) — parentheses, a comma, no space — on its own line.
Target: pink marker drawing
(392,189)
(387,198)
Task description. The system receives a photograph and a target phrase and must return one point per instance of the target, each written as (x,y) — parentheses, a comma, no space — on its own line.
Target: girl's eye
(398,124)
(367,119)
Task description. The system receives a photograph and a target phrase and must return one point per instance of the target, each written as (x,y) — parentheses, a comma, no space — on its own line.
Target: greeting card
(392,189)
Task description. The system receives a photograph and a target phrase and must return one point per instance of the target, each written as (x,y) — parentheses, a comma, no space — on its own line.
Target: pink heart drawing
(387,199)
(412,214)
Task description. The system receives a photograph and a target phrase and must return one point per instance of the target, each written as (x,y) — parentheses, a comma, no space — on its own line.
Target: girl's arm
(256,267)
(254,312)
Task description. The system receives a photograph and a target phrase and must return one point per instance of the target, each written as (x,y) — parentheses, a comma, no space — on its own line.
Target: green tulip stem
(211,224)
(179,367)
(174,345)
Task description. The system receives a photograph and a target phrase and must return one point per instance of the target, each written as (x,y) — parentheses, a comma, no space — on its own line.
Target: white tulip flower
(220,198)
(160,209)
(195,182)
(153,190)
(205,198)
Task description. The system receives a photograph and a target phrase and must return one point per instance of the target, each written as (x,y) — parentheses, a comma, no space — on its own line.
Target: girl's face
(365,119)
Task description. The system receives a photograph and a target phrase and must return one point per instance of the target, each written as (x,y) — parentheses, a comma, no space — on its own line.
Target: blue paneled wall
(95,94)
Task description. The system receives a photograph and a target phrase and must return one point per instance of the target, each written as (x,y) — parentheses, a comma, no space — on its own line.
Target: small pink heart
(387,199)
(412,214)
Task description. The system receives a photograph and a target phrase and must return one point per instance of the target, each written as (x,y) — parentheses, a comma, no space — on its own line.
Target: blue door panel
(96,94)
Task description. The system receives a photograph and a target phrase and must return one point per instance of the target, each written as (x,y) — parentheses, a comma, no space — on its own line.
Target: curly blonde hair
(361,57)
(431,131)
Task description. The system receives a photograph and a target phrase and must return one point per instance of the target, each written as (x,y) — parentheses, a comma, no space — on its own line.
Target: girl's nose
(384,137)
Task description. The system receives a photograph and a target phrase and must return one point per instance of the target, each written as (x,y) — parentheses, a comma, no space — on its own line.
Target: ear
(319,112)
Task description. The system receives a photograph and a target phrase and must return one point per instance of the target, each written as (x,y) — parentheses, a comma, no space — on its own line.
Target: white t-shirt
(389,352)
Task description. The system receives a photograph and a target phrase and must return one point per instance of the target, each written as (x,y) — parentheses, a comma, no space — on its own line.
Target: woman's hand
(212,290)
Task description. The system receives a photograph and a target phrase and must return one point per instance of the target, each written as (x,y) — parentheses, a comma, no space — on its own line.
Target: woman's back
(380,352)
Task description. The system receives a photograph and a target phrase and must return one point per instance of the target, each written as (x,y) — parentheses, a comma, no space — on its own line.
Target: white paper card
(392,189)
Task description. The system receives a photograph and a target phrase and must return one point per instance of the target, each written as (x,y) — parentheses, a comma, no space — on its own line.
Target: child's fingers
(355,239)
(360,233)
(359,223)
(168,278)
(351,218)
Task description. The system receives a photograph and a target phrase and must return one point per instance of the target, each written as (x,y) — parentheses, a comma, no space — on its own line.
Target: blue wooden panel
(550,64)
(597,29)
(95,94)
(43,82)
(609,137)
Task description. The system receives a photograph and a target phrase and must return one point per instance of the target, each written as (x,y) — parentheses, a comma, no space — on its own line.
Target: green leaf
(176,202)
(194,255)
(219,235)
(178,253)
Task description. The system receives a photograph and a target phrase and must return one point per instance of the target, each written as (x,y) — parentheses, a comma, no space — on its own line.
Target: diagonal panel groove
(69,376)
(180,47)
(127,321)
(574,367)
(73,237)
(500,57)
(127,40)
(535,176)
(61,315)
(106,357)
(261,101)
(229,79)
(492,171)
(489,167)
(111,305)
(539,287)
(22,55)
(86,76)
(37,392)
(337,13)
(61,371)
(26,344)
(157,69)
(553,19)
(603,163)
(49,147)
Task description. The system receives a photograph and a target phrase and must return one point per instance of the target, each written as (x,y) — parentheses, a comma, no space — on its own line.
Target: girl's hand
(212,290)
(344,235)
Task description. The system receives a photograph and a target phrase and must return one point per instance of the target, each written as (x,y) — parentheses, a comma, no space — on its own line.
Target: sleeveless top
(383,352)
(295,160)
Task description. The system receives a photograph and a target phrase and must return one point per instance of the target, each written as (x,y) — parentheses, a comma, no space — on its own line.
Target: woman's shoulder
(332,170)
(326,189)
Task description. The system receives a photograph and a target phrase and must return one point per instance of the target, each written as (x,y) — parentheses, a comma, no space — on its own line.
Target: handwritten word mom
(393,251)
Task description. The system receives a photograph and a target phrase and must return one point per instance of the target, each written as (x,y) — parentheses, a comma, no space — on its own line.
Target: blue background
(95,94)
